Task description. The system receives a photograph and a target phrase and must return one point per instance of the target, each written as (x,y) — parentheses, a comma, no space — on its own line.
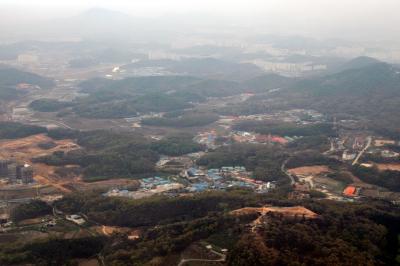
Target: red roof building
(279,140)
(350,191)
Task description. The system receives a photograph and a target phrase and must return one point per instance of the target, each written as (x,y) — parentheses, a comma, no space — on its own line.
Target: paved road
(369,141)
(331,149)
(283,169)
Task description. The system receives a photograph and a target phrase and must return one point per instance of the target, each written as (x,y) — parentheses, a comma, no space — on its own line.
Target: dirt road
(47,181)
(221,259)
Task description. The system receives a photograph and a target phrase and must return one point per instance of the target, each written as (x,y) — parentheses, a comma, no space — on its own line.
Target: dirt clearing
(285,211)
(24,149)
(388,166)
(310,170)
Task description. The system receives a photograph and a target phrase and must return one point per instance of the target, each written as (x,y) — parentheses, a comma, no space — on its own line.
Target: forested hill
(130,96)
(371,92)
(12,77)
(268,82)
(358,62)
(138,84)
(164,84)
(378,80)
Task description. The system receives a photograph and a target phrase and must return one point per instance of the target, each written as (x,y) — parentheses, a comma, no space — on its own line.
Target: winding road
(283,169)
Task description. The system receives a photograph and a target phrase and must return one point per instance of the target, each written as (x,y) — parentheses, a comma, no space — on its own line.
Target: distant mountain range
(358,62)
(375,78)
(107,25)
(11,77)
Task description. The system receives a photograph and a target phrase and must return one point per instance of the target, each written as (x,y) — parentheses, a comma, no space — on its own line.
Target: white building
(75,219)
(348,156)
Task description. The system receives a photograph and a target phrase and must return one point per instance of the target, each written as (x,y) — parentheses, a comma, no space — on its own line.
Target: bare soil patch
(388,166)
(107,184)
(89,262)
(285,211)
(310,170)
(24,149)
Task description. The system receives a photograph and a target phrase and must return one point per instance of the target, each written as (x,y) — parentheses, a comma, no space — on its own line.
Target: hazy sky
(378,18)
(319,8)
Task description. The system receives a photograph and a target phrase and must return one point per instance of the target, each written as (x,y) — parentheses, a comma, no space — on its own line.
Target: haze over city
(371,20)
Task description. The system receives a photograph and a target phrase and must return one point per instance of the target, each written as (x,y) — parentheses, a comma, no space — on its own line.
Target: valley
(197,149)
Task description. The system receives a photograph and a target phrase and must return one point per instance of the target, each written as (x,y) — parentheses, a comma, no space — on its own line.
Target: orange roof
(279,140)
(349,191)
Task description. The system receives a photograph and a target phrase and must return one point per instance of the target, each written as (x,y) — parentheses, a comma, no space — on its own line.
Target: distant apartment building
(8,169)
(14,172)
(27,58)
(287,67)
(161,55)
(3,168)
(25,173)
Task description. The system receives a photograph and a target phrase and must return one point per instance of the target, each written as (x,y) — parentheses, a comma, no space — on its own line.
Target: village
(194,180)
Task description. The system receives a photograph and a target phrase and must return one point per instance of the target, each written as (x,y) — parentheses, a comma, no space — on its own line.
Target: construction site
(18,169)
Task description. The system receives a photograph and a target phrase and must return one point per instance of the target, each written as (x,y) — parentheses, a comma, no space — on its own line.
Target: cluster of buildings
(249,137)
(194,180)
(299,116)
(348,155)
(350,150)
(148,187)
(288,68)
(20,113)
(28,58)
(389,154)
(26,86)
(301,190)
(207,138)
(308,183)
(15,172)
(223,178)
